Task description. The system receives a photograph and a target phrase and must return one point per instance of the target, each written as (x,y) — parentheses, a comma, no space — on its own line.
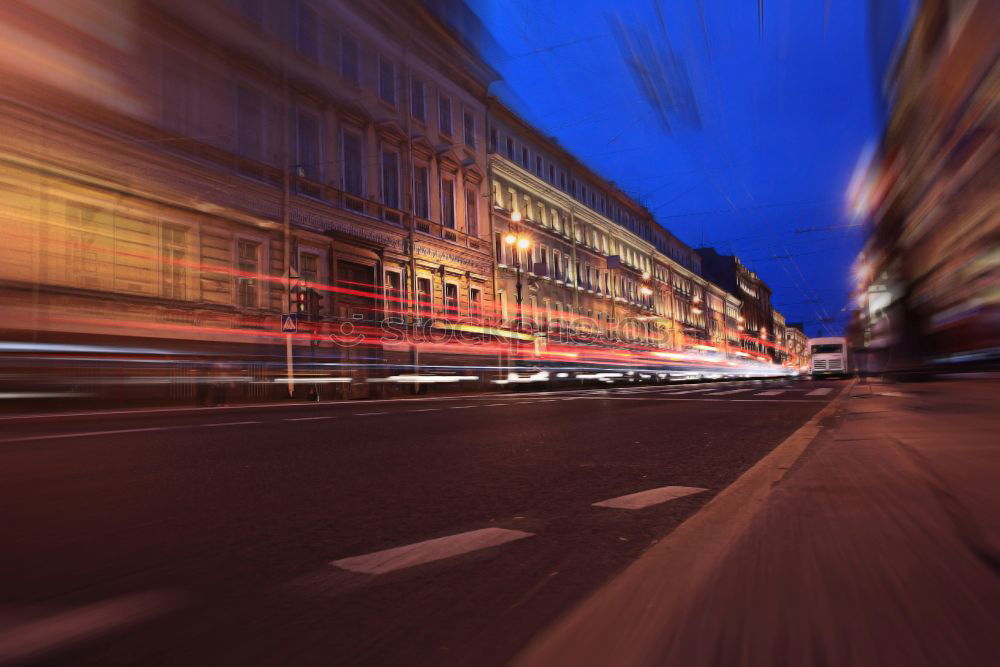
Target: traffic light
(314,304)
(299,304)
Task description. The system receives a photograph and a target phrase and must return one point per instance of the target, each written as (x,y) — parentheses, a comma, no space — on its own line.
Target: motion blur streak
(143,223)
(927,284)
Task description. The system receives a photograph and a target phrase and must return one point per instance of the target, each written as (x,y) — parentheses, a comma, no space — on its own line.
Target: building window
(387,80)
(421,198)
(394,295)
(309,267)
(353,164)
(509,146)
(469,127)
(562,181)
(552,174)
(475,302)
(425,298)
(350,57)
(248,265)
(417,99)
(572,187)
(451,299)
(525,162)
(444,115)
(494,139)
(174,271)
(539,169)
(250,123)
(471,212)
(307,144)
(306,37)
(390,178)
(448,203)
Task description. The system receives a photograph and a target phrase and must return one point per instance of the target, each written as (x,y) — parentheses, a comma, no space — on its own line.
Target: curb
(628,619)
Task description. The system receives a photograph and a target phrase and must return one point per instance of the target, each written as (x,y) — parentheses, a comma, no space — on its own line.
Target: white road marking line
(87,434)
(704,399)
(731,391)
(425,410)
(231,424)
(773,392)
(306,419)
(636,501)
(693,391)
(27,641)
(820,392)
(461,407)
(368,414)
(493,405)
(387,560)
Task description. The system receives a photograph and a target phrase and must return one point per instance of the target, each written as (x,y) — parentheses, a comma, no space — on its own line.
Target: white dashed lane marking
(820,392)
(369,414)
(731,391)
(387,560)
(90,434)
(307,419)
(231,424)
(773,392)
(637,501)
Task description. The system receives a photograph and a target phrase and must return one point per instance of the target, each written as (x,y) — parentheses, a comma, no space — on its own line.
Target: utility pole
(286,224)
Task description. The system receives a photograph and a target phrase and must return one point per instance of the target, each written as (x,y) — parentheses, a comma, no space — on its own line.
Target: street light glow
(523,243)
(510,239)
(515,216)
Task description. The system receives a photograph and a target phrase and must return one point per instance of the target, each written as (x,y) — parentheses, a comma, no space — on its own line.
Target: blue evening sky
(786,108)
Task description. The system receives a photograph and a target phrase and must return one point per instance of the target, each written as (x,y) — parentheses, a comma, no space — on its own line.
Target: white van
(829,356)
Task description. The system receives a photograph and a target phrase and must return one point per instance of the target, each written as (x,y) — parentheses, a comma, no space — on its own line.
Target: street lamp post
(517,244)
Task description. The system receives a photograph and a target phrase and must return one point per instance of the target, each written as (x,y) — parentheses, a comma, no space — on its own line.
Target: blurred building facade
(170,167)
(175,175)
(928,276)
(595,261)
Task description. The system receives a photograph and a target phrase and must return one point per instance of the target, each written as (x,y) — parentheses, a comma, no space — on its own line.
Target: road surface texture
(419,532)
(880,546)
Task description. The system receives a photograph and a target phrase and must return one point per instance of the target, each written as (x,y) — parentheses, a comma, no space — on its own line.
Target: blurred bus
(829,356)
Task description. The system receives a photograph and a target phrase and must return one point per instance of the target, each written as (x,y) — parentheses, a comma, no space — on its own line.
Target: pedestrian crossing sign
(289,322)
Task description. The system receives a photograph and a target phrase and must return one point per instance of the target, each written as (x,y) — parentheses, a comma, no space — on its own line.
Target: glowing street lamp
(520,243)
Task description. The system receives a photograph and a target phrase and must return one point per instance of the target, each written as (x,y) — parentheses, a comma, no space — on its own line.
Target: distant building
(797,345)
(729,273)
(595,261)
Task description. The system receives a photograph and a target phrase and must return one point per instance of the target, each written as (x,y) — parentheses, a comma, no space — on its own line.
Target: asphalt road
(210,537)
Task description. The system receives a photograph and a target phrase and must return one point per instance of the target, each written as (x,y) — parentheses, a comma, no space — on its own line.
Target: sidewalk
(880,545)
